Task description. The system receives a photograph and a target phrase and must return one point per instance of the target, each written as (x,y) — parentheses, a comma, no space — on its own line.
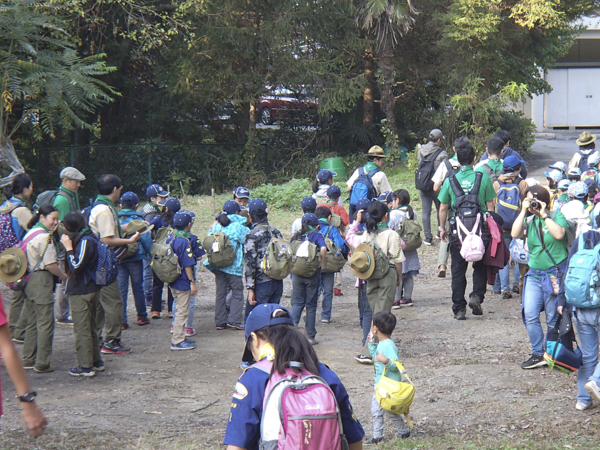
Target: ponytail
(45,210)
(223,220)
(303,230)
(377,211)
(167,216)
(315,186)
(404,200)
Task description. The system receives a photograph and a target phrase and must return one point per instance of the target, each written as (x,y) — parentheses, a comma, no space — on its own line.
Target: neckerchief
(332,202)
(311,228)
(111,205)
(181,233)
(73,195)
(156,207)
(21,200)
(41,225)
(382,226)
(324,221)
(370,166)
(267,351)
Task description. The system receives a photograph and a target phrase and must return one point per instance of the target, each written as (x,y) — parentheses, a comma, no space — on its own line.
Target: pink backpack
(300,411)
(472,249)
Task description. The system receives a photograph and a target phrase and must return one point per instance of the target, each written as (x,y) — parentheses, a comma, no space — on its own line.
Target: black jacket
(80,263)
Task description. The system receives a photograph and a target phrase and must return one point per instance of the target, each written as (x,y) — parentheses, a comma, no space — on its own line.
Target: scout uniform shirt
(103,221)
(35,249)
(380,181)
(466,178)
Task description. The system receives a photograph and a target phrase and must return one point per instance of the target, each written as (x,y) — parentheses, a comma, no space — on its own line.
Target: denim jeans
(364,311)
(306,293)
(265,292)
(135,271)
(587,322)
(157,290)
(502,283)
(428,199)
(190,320)
(534,302)
(148,275)
(326,286)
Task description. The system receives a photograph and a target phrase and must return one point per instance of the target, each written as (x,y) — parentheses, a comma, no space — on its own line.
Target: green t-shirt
(495,165)
(466,177)
(62,204)
(538,258)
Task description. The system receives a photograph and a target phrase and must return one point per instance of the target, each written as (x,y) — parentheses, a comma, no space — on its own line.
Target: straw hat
(585,138)
(376,151)
(362,262)
(13,265)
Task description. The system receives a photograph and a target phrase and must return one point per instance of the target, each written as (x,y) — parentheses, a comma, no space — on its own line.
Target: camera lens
(534,204)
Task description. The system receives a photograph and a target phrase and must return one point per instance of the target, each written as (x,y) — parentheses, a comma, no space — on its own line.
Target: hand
(193,288)
(66,241)
(444,235)
(560,310)
(526,204)
(381,358)
(134,238)
(34,419)
(370,337)
(359,216)
(543,212)
(251,298)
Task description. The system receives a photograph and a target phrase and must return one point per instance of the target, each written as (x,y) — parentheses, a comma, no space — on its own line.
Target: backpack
(106,270)
(305,259)
(47,198)
(162,234)
(560,354)
(493,175)
(509,202)
(410,232)
(395,396)
(299,411)
(277,261)
(582,282)
(21,283)
(469,221)
(165,262)
(219,250)
(363,186)
(8,236)
(382,262)
(519,251)
(450,169)
(425,171)
(583,161)
(334,261)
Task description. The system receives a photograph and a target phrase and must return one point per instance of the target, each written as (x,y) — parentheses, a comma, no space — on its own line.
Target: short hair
(495,146)
(540,193)
(460,141)
(19,183)
(322,212)
(107,183)
(590,146)
(504,135)
(385,322)
(465,154)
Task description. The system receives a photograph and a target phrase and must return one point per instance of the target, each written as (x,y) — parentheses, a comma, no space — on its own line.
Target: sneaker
(364,359)
(235,326)
(143,321)
(374,440)
(475,305)
(497,292)
(81,372)
(406,302)
(44,370)
(220,327)
(18,341)
(396,304)
(155,314)
(533,362)
(461,315)
(115,347)
(516,289)
(27,367)
(441,273)
(171,329)
(404,435)
(427,241)
(67,321)
(183,345)
(191,341)
(124,326)
(313,341)
(337,292)
(99,366)
(506,295)
(325,320)
(580,406)
(593,389)
(190,332)
(170,314)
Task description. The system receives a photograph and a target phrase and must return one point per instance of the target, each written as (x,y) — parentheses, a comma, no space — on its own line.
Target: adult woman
(231,225)
(42,265)
(547,265)
(380,293)
(271,335)
(321,184)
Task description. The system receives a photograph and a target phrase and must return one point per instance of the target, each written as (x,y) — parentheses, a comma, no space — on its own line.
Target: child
(593,171)
(410,267)
(185,286)
(562,197)
(383,350)
(321,184)
(334,204)
(133,267)
(241,196)
(309,205)
(575,210)
(594,213)
(574,175)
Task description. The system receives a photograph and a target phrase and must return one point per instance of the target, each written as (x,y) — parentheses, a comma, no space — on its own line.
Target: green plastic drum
(335,165)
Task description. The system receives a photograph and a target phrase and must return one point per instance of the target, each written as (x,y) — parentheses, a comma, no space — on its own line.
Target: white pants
(378,412)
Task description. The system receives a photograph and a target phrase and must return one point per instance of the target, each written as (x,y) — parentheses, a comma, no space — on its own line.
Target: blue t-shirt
(390,351)
(243,426)
(333,234)
(181,247)
(316,238)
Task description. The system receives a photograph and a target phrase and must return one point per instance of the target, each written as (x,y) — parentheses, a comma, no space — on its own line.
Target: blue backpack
(106,270)
(509,202)
(363,186)
(582,282)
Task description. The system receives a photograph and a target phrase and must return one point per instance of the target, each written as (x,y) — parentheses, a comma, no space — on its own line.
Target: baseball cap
(309,203)
(183,218)
(310,219)
(257,206)
(231,207)
(325,174)
(436,134)
(241,192)
(564,184)
(172,203)
(260,317)
(386,197)
(559,165)
(156,190)
(575,172)
(363,203)
(511,162)
(129,198)
(555,175)
(594,159)
(578,190)
(591,184)
(71,173)
(333,191)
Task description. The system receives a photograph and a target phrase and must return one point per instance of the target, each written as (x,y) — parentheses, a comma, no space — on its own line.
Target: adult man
(507,151)
(66,201)
(429,158)
(486,194)
(104,222)
(493,164)
(376,157)
(587,146)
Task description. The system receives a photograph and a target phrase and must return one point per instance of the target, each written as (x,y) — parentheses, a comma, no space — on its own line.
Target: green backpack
(162,234)
(410,232)
(165,263)
(382,262)
(305,259)
(219,250)
(335,261)
(277,261)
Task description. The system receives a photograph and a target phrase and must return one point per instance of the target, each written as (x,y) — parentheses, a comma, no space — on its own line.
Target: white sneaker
(580,406)
(593,389)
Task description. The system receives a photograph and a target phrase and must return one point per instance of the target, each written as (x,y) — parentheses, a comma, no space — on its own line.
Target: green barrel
(335,165)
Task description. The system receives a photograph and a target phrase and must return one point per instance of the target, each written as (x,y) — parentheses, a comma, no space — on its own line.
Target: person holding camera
(546,238)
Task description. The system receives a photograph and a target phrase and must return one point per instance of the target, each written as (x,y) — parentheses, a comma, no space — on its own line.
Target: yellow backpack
(396,396)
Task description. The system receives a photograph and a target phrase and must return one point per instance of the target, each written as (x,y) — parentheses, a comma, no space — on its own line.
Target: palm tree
(385,22)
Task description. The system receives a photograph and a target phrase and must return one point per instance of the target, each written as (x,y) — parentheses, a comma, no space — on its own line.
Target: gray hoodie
(429,149)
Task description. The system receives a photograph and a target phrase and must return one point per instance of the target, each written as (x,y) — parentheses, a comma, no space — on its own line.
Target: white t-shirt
(380,182)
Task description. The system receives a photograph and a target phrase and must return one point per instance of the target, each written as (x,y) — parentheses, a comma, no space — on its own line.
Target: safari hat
(585,138)
(376,151)
(362,262)
(13,265)
(138,226)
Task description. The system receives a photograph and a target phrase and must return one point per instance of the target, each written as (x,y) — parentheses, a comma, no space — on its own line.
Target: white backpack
(472,249)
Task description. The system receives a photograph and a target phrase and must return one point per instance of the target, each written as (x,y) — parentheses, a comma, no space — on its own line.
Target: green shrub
(288,195)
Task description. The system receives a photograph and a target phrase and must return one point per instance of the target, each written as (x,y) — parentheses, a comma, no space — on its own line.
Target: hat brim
(22,271)
(369,251)
(580,142)
(545,173)
(377,155)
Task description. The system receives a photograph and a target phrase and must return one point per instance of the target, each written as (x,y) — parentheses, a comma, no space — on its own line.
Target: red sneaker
(143,321)
(406,302)
(337,292)
(124,326)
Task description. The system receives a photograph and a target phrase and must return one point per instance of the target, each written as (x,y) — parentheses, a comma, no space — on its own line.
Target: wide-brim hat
(362,262)
(585,138)
(13,265)
(376,151)
(138,226)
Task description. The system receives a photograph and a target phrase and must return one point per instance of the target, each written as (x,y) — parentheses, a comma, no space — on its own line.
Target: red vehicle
(284,103)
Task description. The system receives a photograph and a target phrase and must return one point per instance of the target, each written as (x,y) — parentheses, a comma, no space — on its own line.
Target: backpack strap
(455,186)
(371,173)
(477,184)
(433,156)
(461,226)
(264,366)
(69,199)
(361,171)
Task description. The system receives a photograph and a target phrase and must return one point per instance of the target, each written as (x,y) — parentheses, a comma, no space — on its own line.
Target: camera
(534,204)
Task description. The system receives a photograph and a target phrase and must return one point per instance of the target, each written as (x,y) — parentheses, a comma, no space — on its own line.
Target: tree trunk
(8,158)
(368,95)
(252,121)
(386,64)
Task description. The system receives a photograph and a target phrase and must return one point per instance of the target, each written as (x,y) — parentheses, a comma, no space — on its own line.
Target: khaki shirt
(103,223)
(388,240)
(442,171)
(380,182)
(35,250)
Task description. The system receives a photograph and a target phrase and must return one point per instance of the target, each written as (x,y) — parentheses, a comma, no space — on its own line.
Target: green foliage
(288,195)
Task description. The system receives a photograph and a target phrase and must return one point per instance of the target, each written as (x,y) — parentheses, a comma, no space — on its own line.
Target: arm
(443,217)
(190,273)
(437,187)
(250,267)
(399,270)
(323,256)
(77,262)
(55,270)
(112,241)
(351,237)
(556,230)
(517,229)
(491,205)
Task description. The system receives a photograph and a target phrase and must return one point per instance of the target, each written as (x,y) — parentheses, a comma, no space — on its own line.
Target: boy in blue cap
(321,184)
(309,205)
(241,195)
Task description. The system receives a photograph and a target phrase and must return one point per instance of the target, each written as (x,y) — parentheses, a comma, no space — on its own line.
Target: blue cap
(578,190)
(559,165)
(555,175)
(386,197)
(594,159)
(257,206)
(511,162)
(241,192)
(363,203)
(333,191)
(309,203)
(325,174)
(576,171)
(310,219)
(129,198)
(564,184)
(261,317)
(156,190)
(231,207)
(591,184)
(183,218)
(172,203)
